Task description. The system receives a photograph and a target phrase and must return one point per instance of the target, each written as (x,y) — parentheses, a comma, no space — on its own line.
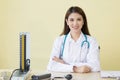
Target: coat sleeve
(55,66)
(92,58)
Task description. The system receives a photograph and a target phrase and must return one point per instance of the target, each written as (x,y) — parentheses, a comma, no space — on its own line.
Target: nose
(75,22)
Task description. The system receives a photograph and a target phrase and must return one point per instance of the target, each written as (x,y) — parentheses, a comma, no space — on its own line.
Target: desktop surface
(83,76)
(76,76)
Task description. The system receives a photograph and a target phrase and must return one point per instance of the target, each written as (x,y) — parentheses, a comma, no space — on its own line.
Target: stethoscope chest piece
(68,76)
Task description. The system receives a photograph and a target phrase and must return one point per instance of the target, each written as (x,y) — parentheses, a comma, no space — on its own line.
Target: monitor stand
(18,75)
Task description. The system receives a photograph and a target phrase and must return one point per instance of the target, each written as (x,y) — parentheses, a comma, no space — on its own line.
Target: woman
(75,50)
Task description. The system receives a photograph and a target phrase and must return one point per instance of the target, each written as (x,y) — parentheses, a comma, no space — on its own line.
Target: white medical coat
(74,54)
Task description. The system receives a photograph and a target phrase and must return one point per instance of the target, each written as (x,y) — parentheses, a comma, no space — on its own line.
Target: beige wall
(44,20)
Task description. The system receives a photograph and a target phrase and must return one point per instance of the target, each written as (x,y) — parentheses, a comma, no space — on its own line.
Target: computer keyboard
(110,74)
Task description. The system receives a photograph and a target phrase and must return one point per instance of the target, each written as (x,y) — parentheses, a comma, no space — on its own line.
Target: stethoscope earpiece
(68,76)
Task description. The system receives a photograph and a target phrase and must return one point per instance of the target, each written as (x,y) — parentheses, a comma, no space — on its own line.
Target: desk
(76,76)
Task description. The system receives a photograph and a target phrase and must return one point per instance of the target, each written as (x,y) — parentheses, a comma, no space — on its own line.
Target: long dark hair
(78,10)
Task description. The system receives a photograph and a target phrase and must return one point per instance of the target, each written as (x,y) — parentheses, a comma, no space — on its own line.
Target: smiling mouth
(75,27)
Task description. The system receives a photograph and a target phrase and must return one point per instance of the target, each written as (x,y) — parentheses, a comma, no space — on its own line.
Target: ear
(83,23)
(66,21)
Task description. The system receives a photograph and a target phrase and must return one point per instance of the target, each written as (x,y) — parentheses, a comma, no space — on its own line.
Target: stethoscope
(85,41)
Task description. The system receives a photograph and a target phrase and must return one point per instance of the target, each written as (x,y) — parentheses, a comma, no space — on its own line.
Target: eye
(71,19)
(79,19)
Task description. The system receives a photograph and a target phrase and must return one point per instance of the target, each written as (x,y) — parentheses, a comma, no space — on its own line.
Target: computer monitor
(24,51)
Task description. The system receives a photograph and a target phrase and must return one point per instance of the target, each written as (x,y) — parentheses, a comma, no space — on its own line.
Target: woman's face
(75,22)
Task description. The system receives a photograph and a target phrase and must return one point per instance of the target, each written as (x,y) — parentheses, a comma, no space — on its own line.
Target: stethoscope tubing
(62,48)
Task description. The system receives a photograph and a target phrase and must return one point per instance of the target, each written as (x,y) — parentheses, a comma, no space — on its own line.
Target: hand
(58,60)
(82,69)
